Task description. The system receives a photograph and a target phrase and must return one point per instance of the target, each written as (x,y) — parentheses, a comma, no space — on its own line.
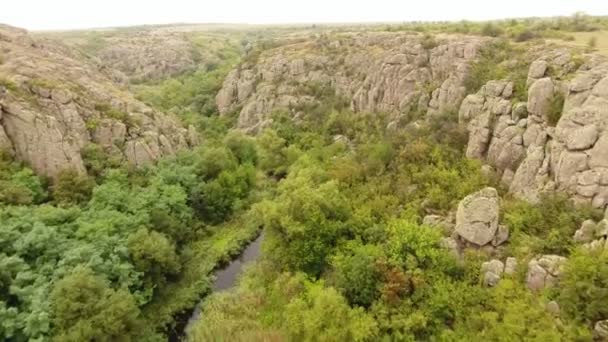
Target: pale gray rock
(600,330)
(586,232)
(539,97)
(510,265)
(583,138)
(544,271)
(492,271)
(598,157)
(399,77)
(502,235)
(601,229)
(537,70)
(477,217)
(65,102)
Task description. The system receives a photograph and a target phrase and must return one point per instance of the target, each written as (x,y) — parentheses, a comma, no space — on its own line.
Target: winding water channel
(225,278)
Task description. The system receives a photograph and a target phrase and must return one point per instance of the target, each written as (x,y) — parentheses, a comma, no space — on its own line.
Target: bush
(243,147)
(546,228)
(429,42)
(18,184)
(487,67)
(97,161)
(592,43)
(72,187)
(525,35)
(154,255)
(583,287)
(356,274)
(491,30)
(85,308)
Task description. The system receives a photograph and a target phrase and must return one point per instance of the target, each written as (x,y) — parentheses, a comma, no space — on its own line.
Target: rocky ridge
(555,140)
(398,73)
(531,153)
(53,103)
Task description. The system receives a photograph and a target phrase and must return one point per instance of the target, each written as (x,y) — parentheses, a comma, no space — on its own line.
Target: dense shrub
(583,289)
(545,228)
(495,63)
(356,273)
(18,184)
(491,30)
(72,187)
(85,307)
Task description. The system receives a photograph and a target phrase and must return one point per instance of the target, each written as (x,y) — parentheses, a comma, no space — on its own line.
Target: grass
(490,66)
(201,258)
(581,40)
(8,84)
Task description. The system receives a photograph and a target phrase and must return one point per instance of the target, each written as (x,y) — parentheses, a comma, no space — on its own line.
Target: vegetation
(84,257)
(343,235)
(117,253)
(545,228)
(496,63)
(556,107)
(517,29)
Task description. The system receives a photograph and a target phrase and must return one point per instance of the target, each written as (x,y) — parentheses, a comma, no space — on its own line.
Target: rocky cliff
(557,140)
(53,103)
(152,53)
(398,73)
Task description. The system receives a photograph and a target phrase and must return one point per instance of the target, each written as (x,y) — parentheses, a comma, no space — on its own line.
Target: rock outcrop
(477,217)
(148,53)
(53,103)
(544,271)
(398,73)
(593,236)
(519,141)
(492,271)
(600,330)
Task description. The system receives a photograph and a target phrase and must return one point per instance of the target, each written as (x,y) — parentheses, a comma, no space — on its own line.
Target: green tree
(322,314)
(72,187)
(583,288)
(512,313)
(153,255)
(356,273)
(85,308)
(305,223)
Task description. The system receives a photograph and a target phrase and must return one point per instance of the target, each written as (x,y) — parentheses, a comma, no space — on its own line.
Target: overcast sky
(69,14)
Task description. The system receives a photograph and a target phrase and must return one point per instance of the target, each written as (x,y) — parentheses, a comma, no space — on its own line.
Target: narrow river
(226,278)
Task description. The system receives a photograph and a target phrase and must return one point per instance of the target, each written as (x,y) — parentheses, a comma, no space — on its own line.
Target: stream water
(225,278)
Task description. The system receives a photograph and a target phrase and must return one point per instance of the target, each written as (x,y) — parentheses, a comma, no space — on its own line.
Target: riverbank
(179,298)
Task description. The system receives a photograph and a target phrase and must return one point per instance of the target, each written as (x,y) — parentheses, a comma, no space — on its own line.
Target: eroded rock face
(52,104)
(477,217)
(144,54)
(600,330)
(530,155)
(544,271)
(382,72)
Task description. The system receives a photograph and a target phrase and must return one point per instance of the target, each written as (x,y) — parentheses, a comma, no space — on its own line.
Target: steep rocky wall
(400,73)
(396,73)
(530,153)
(52,104)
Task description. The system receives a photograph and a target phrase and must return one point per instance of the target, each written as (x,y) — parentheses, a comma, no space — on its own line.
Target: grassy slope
(582,40)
